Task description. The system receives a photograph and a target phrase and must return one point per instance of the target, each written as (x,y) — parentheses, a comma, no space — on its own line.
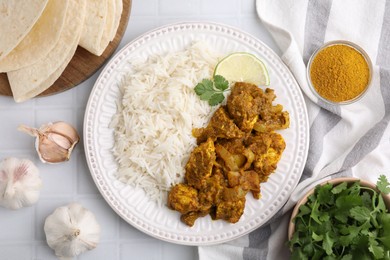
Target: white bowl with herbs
(343,218)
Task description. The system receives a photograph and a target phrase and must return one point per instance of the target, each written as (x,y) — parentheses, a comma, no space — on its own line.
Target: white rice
(154,122)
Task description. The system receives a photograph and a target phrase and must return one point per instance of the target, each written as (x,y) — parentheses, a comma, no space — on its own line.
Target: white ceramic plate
(131,203)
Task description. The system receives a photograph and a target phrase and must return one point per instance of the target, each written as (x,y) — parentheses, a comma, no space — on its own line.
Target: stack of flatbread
(38,38)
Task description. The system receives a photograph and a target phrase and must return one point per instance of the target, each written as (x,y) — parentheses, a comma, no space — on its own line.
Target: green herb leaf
(308,249)
(339,188)
(375,249)
(221,83)
(348,239)
(316,237)
(348,201)
(200,89)
(385,235)
(295,240)
(206,95)
(204,86)
(366,199)
(324,194)
(354,189)
(327,244)
(208,84)
(303,210)
(212,90)
(381,206)
(216,98)
(342,215)
(315,213)
(329,257)
(361,214)
(320,229)
(385,220)
(383,184)
(347,257)
(298,254)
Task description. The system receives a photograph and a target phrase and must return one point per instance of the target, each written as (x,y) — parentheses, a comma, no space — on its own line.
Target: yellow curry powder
(339,73)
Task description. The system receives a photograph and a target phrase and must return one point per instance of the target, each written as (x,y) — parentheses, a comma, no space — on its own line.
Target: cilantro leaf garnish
(212,90)
(216,98)
(383,184)
(204,87)
(221,83)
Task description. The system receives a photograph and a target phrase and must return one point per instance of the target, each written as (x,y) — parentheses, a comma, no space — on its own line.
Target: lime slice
(243,67)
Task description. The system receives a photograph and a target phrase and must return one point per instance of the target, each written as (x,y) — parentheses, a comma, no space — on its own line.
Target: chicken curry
(237,150)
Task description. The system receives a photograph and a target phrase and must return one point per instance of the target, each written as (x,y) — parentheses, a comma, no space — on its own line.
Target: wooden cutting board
(82,65)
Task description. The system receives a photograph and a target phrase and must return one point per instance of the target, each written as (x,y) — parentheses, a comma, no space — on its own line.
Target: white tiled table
(21,232)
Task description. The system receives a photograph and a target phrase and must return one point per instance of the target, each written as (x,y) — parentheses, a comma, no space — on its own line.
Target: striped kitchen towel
(348,140)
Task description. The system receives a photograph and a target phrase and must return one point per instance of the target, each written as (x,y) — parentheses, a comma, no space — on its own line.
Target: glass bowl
(355,47)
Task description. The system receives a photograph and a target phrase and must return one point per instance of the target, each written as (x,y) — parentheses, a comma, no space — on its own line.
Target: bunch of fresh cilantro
(343,222)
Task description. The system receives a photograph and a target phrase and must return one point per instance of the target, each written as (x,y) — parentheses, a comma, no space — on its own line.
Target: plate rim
(108,67)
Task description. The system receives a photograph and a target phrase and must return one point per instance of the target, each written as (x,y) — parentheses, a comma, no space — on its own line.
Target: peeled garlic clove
(71,230)
(55,141)
(20,183)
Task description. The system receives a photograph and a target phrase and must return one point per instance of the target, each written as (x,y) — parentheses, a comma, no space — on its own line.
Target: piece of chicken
(247,180)
(209,196)
(220,126)
(200,164)
(232,204)
(274,119)
(268,149)
(190,217)
(211,193)
(245,103)
(183,198)
(234,146)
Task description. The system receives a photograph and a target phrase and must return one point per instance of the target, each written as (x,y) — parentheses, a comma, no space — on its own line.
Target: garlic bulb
(55,141)
(20,183)
(71,230)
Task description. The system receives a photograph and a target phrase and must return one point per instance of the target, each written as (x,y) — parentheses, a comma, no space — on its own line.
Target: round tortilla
(33,80)
(94,25)
(16,20)
(108,27)
(40,40)
(50,80)
(101,24)
(117,19)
